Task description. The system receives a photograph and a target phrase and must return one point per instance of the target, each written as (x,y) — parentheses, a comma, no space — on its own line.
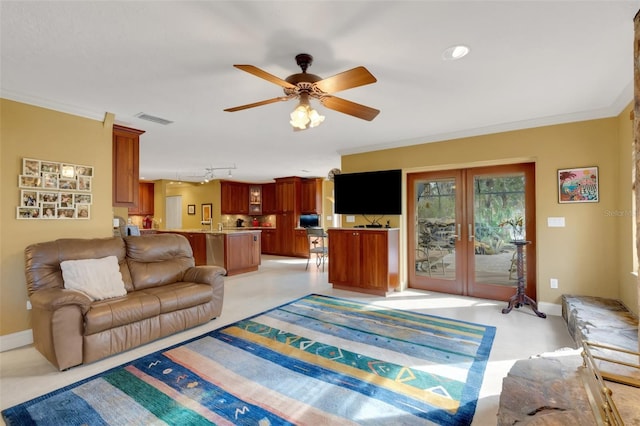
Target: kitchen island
(236,250)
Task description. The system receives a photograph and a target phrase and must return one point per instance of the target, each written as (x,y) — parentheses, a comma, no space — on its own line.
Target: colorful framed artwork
(206,212)
(191,209)
(579,185)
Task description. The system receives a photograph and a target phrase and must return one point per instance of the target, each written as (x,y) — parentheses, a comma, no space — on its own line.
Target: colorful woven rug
(318,361)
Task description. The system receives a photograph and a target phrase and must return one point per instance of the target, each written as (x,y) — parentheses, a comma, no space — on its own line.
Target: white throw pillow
(97,278)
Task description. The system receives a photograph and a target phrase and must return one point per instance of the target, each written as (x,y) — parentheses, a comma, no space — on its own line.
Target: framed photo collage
(51,190)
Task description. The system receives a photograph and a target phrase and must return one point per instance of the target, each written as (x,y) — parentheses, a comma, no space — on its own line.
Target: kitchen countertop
(215,231)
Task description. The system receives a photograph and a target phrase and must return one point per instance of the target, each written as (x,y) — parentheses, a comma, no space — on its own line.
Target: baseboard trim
(16,340)
(550,308)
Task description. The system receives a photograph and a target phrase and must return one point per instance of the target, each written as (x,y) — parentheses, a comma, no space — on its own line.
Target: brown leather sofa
(166,294)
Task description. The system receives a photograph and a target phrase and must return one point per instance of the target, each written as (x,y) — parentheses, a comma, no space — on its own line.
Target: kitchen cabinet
(301,243)
(126,163)
(268,241)
(285,234)
(255,199)
(364,260)
(144,205)
(288,194)
(242,252)
(234,197)
(311,196)
(198,243)
(269,198)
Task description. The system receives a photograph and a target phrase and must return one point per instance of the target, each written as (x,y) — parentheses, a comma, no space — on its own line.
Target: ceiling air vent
(153,118)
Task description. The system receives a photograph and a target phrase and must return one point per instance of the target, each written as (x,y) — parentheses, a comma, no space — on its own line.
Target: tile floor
(25,374)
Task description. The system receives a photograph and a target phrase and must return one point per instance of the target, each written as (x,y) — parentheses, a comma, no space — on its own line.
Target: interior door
(458,241)
(173,209)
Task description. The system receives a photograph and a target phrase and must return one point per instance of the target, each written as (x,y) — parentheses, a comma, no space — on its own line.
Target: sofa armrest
(52,299)
(205,274)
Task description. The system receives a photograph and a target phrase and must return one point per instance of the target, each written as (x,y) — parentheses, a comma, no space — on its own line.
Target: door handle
(471,236)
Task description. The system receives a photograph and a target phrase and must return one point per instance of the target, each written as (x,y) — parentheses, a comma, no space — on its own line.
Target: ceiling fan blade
(347,107)
(355,77)
(265,75)
(256,104)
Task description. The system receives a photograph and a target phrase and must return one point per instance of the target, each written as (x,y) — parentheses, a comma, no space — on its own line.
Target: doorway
(173,205)
(457,237)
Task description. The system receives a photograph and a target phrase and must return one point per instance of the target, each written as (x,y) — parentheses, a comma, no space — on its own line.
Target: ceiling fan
(304,86)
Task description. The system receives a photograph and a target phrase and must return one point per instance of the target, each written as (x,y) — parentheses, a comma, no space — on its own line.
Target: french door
(458,242)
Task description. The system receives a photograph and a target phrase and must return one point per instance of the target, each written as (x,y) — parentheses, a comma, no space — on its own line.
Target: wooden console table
(520,298)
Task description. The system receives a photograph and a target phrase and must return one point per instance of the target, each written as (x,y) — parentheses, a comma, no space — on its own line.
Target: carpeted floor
(317,360)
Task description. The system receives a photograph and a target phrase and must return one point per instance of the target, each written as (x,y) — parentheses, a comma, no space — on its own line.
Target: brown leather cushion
(42,268)
(158,259)
(112,313)
(181,295)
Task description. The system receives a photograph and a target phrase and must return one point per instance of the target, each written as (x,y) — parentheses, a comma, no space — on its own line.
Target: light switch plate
(351,218)
(555,222)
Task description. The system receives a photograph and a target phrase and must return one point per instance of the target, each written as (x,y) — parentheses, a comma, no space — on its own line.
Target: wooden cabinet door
(255,199)
(242,252)
(344,263)
(126,151)
(374,266)
(268,241)
(146,195)
(287,194)
(199,247)
(311,196)
(285,234)
(144,205)
(301,243)
(234,197)
(269,198)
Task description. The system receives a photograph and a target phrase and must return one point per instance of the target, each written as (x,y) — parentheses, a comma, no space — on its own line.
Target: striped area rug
(317,361)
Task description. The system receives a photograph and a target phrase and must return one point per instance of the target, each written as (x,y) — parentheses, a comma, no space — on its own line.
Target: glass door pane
(435,252)
(436,228)
(497,199)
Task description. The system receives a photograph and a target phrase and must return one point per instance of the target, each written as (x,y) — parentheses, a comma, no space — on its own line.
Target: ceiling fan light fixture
(455,52)
(303,116)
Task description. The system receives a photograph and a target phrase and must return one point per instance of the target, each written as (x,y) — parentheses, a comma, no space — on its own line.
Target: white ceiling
(531,63)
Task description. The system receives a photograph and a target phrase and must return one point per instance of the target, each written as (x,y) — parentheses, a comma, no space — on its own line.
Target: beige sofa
(164,293)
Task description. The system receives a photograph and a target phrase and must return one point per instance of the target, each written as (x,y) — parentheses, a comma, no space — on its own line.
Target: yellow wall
(588,256)
(32,132)
(624,217)
(193,193)
(591,255)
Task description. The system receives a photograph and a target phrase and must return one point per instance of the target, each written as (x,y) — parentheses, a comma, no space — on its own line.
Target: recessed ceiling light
(455,52)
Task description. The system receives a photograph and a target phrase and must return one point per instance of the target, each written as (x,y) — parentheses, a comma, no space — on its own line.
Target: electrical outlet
(553,282)
(28,305)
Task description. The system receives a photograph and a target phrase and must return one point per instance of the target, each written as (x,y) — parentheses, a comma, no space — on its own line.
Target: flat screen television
(368,193)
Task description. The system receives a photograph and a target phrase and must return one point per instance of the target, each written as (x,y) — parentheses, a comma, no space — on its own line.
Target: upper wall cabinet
(269,198)
(234,197)
(126,149)
(288,195)
(145,204)
(311,196)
